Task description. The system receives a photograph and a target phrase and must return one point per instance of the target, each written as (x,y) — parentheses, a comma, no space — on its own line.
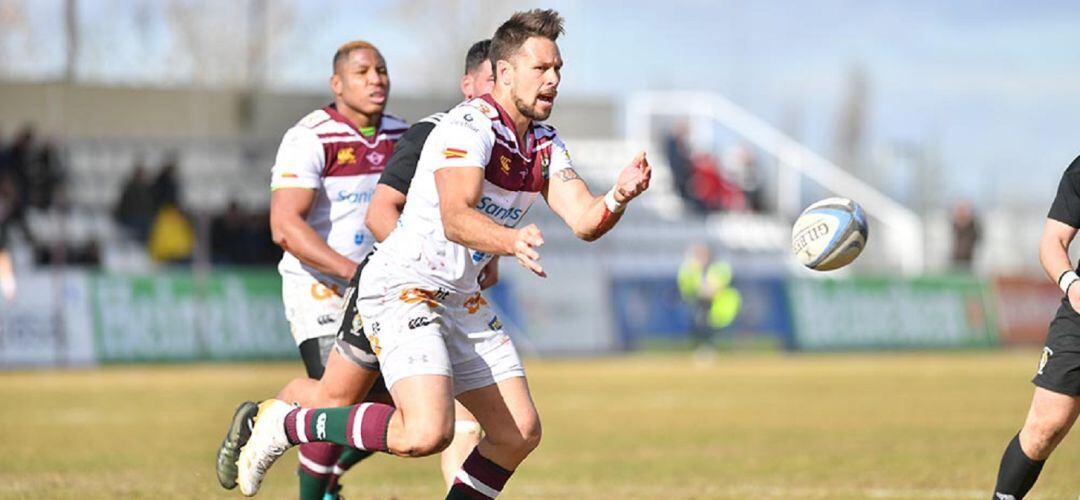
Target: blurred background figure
(965,235)
(705,284)
(8,199)
(134,210)
(677,153)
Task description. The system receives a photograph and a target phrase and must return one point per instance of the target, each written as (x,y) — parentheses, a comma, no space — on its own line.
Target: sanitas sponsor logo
(357,197)
(498,212)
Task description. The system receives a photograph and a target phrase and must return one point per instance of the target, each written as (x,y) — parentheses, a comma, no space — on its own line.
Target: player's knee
(522,439)
(1041,435)
(530,435)
(427,441)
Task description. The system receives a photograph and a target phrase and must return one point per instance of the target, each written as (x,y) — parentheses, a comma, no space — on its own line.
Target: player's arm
(384,211)
(1058,233)
(295,178)
(591,216)
(289,229)
(459,192)
(389,198)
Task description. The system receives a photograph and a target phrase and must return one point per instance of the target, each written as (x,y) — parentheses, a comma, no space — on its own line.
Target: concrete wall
(83,111)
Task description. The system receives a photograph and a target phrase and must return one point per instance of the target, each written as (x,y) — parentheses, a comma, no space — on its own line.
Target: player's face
(479,81)
(535,77)
(362,82)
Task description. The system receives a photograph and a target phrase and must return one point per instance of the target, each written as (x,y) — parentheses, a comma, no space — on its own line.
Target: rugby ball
(829,234)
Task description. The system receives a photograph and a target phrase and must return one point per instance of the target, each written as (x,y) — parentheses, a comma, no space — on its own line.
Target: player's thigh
(506,412)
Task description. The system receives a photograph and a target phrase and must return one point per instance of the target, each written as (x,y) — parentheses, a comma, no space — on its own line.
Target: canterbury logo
(320,426)
(417,295)
(474,303)
(505,163)
(346,156)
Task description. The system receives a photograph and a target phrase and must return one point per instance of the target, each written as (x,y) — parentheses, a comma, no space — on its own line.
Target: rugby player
(347,379)
(434,335)
(321,183)
(1056,401)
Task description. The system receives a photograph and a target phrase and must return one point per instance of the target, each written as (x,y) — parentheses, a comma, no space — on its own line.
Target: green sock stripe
(329,425)
(311,487)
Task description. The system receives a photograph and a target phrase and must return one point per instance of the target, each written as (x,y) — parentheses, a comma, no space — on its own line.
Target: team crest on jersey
(504,162)
(545,161)
(1047,352)
(346,156)
(486,110)
(375,158)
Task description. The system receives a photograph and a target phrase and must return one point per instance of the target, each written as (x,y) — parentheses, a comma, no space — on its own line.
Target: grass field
(646,426)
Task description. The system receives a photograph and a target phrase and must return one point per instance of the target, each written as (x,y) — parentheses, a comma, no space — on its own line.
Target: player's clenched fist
(526,245)
(634,179)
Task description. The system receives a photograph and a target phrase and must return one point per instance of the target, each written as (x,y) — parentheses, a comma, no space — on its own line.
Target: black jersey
(1066,206)
(402,166)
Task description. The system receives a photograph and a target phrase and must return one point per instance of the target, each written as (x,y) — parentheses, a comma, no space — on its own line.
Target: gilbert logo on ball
(829,234)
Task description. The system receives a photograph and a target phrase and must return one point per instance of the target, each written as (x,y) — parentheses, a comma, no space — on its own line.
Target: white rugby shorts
(424,330)
(312,308)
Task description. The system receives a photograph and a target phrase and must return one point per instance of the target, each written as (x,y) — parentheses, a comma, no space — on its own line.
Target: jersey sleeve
(463,138)
(1066,206)
(402,166)
(300,161)
(560,157)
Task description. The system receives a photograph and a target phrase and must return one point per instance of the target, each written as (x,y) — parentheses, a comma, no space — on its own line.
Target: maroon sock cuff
(290,426)
(488,472)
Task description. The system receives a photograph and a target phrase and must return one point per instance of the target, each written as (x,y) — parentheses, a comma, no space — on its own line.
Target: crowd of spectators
(710,183)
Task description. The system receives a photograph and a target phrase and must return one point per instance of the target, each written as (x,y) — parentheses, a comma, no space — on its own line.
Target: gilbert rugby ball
(829,234)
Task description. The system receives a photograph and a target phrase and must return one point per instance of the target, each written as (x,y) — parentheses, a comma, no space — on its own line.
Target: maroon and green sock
(361,426)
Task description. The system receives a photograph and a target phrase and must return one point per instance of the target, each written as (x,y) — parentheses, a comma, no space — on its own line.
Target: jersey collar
(504,117)
(336,115)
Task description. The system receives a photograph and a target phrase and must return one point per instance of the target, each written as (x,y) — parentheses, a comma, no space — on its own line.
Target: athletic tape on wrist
(613,205)
(1066,280)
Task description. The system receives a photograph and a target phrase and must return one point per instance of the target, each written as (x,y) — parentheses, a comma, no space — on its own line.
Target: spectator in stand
(236,237)
(45,176)
(166,187)
(677,152)
(966,233)
(742,166)
(14,169)
(714,191)
(135,209)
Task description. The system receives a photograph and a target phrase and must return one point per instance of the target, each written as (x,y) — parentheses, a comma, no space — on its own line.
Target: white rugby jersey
(325,152)
(474,134)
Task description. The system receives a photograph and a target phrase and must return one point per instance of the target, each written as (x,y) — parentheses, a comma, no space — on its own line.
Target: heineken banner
(874,313)
(231,314)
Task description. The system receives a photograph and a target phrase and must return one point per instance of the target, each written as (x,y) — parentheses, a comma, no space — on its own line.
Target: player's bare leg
(467,433)
(511,431)
(1048,421)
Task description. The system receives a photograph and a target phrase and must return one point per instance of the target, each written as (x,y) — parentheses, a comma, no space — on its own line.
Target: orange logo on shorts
(416,295)
(474,303)
(320,291)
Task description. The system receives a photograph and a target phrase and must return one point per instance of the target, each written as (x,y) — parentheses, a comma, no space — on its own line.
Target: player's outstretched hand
(528,241)
(634,179)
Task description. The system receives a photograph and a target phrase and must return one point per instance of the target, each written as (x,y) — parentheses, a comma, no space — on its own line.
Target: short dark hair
(478,53)
(521,26)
